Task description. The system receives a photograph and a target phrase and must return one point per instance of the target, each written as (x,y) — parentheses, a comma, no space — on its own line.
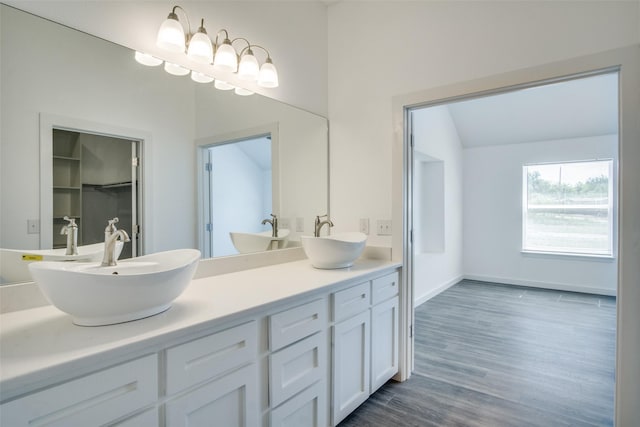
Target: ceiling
(571,109)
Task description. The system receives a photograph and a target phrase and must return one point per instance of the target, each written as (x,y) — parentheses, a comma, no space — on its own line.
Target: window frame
(612,212)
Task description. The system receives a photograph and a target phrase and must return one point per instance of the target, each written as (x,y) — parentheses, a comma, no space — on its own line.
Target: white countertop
(41,346)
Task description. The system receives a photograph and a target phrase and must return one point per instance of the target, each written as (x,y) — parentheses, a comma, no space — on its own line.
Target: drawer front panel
(351,301)
(95,399)
(297,367)
(294,324)
(205,358)
(307,409)
(231,400)
(384,288)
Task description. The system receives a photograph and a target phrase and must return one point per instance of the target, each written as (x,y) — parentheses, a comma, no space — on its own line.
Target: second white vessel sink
(335,251)
(135,288)
(246,243)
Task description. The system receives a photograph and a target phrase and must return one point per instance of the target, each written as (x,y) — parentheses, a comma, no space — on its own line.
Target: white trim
(439,289)
(544,285)
(572,255)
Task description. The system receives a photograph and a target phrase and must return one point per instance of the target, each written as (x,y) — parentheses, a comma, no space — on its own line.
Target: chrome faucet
(318,224)
(71,230)
(274,225)
(111,235)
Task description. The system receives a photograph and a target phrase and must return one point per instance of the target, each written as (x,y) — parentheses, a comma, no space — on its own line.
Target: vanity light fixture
(222,85)
(148,60)
(242,91)
(200,47)
(175,69)
(200,77)
(171,34)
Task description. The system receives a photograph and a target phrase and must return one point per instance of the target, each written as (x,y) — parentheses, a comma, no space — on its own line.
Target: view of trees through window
(567,207)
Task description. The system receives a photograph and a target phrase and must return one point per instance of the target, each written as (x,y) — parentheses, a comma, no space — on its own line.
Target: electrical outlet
(300,225)
(33,226)
(384,227)
(364,225)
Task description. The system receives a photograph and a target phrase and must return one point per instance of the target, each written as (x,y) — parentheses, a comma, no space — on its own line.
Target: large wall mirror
(53,76)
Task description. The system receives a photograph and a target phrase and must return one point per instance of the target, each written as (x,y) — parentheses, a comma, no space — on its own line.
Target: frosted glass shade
(171,36)
(242,91)
(226,58)
(248,68)
(175,69)
(268,76)
(148,60)
(222,85)
(200,77)
(200,48)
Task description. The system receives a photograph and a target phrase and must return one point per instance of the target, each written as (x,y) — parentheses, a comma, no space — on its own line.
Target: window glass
(568,207)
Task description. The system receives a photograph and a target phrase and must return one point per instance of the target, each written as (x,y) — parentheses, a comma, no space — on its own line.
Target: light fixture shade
(248,68)
(268,76)
(222,85)
(200,77)
(200,48)
(175,69)
(242,91)
(148,60)
(226,58)
(171,35)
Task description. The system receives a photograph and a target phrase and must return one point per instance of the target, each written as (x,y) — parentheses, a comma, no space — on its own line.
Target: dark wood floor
(497,355)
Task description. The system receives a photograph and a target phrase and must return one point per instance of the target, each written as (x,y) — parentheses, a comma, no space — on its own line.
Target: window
(568,208)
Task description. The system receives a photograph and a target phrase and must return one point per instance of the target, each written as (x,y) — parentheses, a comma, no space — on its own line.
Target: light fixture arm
(174,15)
(259,47)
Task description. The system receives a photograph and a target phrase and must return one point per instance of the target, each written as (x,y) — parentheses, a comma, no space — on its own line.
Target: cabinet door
(306,409)
(230,401)
(95,399)
(351,356)
(384,342)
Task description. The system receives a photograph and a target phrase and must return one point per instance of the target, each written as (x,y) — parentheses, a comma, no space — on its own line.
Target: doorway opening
(91,178)
(473,211)
(237,194)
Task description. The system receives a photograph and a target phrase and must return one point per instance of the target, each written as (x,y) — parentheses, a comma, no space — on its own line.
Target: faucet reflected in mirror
(274,224)
(111,235)
(71,230)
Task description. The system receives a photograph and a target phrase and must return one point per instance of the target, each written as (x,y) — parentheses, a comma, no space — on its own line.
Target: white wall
(435,135)
(85,86)
(493,217)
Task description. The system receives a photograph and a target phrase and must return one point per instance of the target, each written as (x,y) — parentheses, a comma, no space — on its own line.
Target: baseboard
(440,288)
(545,285)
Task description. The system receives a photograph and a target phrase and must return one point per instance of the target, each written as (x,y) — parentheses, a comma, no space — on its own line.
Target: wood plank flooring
(497,355)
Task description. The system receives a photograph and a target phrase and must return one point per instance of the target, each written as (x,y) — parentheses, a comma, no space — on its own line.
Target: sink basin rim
(335,251)
(101,298)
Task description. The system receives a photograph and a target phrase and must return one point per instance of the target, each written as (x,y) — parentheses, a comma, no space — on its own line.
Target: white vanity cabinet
(214,380)
(365,342)
(114,396)
(298,366)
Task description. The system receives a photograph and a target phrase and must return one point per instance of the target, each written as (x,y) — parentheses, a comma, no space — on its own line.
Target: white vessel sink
(14,263)
(335,251)
(135,288)
(246,243)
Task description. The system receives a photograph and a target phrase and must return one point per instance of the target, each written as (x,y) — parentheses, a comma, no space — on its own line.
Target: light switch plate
(384,227)
(364,225)
(299,225)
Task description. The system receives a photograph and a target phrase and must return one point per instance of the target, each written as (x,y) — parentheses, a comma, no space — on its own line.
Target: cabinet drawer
(351,301)
(148,419)
(384,288)
(296,323)
(205,358)
(297,367)
(95,399)
(306,409)
(231,400)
